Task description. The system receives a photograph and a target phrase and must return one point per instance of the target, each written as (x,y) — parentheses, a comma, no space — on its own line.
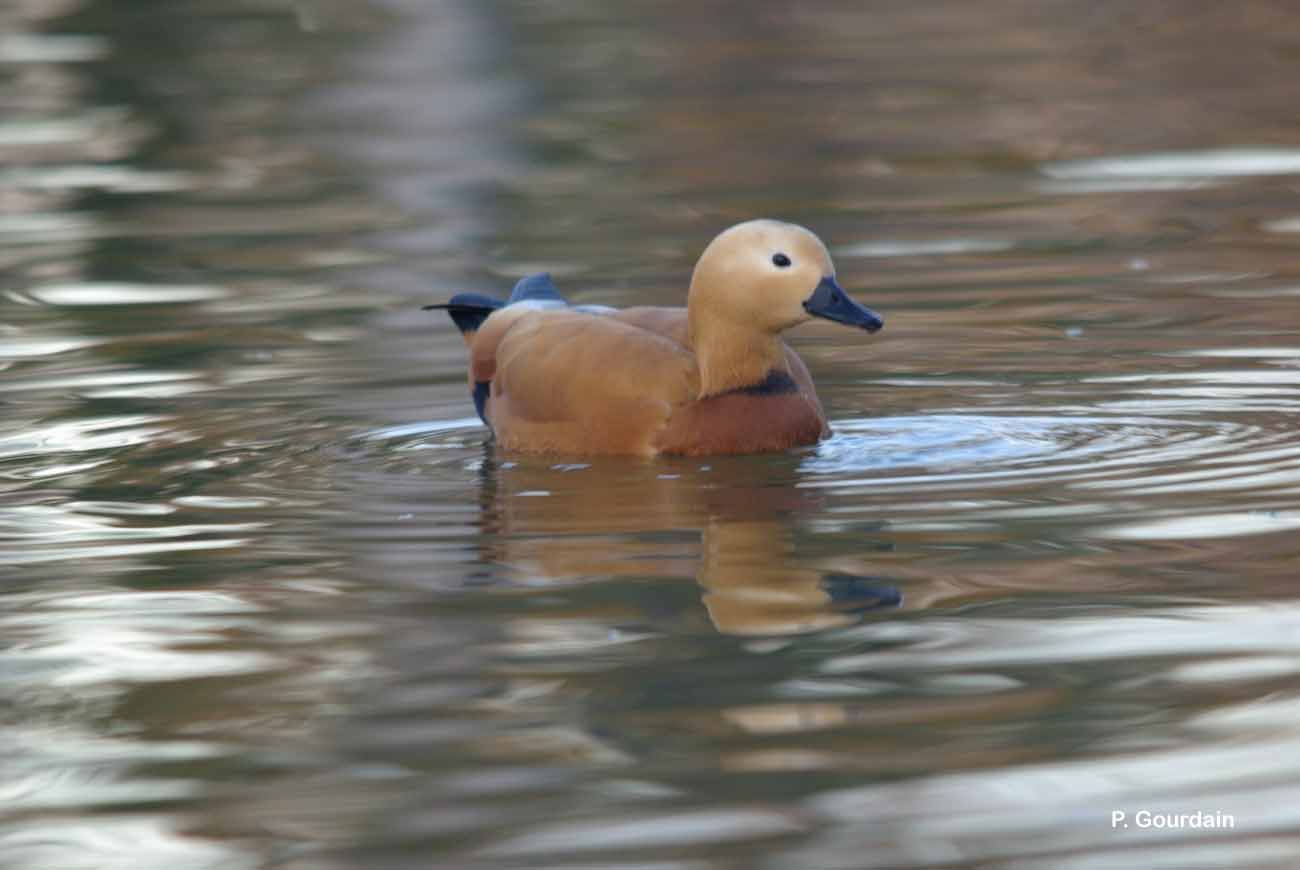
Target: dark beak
(830,301)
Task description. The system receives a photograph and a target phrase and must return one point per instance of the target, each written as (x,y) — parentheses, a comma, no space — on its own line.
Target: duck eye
(780,260)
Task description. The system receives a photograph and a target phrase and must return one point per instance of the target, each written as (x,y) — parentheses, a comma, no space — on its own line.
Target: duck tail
(468,310)
(536,288)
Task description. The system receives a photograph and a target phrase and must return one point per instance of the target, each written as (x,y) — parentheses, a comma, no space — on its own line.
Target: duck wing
(566,380)
(671,323)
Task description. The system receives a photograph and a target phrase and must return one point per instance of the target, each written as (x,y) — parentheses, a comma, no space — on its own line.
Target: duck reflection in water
(618,518)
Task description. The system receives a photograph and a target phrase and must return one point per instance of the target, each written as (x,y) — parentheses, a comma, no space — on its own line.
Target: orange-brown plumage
(714,377)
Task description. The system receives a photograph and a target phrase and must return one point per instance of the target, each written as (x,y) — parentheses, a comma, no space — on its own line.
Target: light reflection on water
(269,599)
(1226,163)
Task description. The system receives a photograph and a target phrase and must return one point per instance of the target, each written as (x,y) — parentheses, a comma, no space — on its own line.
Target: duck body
(712,378)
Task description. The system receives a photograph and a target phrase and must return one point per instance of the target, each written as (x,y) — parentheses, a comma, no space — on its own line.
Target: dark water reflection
(269,600)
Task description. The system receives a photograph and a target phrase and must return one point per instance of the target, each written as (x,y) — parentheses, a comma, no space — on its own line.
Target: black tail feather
(468,310)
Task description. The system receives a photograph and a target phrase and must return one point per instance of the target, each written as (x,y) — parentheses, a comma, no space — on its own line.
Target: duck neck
(733,357)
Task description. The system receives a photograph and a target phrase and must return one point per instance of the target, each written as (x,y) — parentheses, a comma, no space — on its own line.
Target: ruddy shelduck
(711,378)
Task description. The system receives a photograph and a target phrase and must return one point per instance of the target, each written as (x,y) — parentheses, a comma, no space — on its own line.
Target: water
(268,599)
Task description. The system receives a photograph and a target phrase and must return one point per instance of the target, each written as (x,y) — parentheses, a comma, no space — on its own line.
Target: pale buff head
(759,274)
(765,276)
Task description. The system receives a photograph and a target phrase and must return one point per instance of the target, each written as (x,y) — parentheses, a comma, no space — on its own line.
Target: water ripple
(123,294)
(48,48)
(1214,163)
(959,451)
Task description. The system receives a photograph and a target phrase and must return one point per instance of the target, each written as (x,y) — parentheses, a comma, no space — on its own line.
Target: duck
(713,378)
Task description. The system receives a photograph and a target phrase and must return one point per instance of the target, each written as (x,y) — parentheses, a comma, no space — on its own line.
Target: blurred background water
(268,599)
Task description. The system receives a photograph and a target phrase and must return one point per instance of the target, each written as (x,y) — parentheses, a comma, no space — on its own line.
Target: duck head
(768,276)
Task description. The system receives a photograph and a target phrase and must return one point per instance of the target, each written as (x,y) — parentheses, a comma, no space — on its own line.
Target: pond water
(271,599)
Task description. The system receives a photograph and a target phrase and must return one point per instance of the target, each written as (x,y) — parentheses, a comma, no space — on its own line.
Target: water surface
(270,598)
